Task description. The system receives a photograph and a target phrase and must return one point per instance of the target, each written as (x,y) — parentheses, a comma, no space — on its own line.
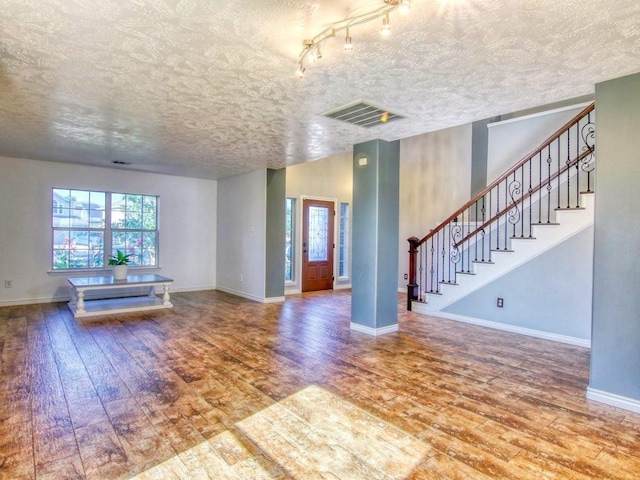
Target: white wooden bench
(81,307)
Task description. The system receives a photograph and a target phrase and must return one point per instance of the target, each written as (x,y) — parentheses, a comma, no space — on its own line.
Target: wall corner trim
(375,332)
(614,400)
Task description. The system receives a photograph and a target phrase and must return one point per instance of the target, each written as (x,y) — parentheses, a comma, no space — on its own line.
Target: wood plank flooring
(220,387)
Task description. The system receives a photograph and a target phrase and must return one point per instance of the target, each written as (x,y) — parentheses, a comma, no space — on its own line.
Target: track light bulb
(405,6)
(300,71)
(347,42)
(386,26)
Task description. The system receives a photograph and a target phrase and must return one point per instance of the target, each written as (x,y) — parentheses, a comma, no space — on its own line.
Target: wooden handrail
(522,162)
(564,169)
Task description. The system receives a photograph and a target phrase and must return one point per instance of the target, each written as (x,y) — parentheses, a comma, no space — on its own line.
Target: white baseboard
(292,291)
(34,301)
(249,296)
(342,286)
(375,332)
(614,400)
(555,337)
(274,299)
(66,298)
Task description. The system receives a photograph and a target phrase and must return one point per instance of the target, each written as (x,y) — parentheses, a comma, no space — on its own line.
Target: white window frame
(107,232)
(294,223)
(343,246)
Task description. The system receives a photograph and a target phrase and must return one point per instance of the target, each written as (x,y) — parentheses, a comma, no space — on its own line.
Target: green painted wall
(275,233)
(615,351)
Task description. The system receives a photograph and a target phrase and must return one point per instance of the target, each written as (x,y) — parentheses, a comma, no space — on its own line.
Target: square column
(376,173)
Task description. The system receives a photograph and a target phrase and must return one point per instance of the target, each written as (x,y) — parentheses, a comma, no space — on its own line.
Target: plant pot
(120,272)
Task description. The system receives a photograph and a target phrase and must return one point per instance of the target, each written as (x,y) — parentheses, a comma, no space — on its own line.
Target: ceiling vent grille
(363,114)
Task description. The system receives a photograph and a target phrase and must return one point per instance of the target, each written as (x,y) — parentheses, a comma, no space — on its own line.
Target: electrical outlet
(8,284)
(500,302)
(406,276)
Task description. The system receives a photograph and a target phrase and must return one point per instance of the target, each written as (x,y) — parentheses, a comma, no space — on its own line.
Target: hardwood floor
(220,387)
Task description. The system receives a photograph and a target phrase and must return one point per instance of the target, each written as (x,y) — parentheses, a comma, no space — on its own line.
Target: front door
(317,245)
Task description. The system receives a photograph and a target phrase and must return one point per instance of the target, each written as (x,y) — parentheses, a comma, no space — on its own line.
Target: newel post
(412,287)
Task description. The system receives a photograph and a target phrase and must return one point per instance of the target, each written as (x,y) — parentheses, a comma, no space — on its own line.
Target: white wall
(330,178)
(435,174)
(511,140)
(241,246)
(187,225)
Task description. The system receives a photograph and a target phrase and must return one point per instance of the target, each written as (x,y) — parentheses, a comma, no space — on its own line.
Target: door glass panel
(318,232)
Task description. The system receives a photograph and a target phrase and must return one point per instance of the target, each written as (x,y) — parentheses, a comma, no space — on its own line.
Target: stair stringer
(545,237)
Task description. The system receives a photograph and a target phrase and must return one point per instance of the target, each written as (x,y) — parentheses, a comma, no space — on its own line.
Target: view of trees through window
(89,227)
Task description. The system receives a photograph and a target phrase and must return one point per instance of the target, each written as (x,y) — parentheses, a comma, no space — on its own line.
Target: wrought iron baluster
(522,190)
(497,214)
(530,196)
(549,160)
(568,162)
(506,228)
(483,210)
(490,214)
(476,242)
(431,269)
(540,187)
(558,172)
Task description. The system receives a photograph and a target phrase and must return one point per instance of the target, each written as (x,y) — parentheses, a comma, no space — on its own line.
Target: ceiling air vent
(363,114)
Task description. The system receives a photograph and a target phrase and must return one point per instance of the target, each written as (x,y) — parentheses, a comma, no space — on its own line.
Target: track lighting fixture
(311,48)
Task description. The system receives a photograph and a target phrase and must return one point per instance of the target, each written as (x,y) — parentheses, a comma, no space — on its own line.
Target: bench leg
(80,303)
(166,300)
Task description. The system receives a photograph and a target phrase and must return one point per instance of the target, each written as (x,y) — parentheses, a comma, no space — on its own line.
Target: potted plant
(119,262)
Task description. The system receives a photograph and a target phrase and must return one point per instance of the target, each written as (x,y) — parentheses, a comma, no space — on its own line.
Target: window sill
(96,272)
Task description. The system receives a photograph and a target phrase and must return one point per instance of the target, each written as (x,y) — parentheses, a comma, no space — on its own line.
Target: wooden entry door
(317,245)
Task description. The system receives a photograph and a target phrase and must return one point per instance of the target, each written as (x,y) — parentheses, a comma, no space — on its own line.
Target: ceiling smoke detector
(363,114)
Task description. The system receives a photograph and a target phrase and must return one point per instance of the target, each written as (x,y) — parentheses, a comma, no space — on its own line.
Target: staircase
(544,199)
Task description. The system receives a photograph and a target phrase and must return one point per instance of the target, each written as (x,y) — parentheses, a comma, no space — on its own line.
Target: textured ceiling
(206,88)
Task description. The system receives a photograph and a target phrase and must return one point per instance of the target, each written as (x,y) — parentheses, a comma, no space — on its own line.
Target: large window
(343,252)
(89,227)
(289,240)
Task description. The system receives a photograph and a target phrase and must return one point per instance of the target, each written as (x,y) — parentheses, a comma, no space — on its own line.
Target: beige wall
(330,178)
(435,174)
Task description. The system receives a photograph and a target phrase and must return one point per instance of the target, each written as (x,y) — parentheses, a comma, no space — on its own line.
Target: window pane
(289,232)
(149,208)
(61,249)
(117,210)
(318,231)
(133,242)
(96,209)
(148,249)
(343,261)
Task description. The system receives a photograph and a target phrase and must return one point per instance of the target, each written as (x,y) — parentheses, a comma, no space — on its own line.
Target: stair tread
(544,224)
(523,238)
(503,250)
(448,283)
(560,209)
(466,273)
(483,262)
